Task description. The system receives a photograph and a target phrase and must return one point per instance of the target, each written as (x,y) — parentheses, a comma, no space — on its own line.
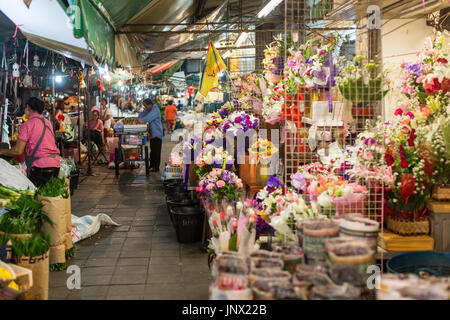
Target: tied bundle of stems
(55,187)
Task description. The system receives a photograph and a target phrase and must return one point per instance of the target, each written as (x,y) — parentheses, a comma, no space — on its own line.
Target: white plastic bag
(12,177)
(87,226)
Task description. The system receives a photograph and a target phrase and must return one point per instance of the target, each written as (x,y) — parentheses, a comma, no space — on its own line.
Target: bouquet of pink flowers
(220,184)
(333,195)
(429,77)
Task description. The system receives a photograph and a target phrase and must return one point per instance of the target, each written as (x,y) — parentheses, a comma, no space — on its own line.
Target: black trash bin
(180,202)
(174,188)
(74,177)
(188,223)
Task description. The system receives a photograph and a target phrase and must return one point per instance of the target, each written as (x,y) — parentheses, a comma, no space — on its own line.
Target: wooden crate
(395,242)
(440,224)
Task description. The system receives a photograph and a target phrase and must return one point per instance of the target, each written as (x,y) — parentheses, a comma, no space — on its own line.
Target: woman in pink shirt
(96,126)
(37,140)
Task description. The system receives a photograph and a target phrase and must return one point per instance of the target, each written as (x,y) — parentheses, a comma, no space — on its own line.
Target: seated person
(96,126)
(59,116)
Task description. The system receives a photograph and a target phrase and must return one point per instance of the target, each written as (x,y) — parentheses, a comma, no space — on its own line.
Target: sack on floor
(87,226)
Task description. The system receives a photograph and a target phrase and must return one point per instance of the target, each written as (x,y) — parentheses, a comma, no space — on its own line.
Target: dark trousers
(96,137)
(155,153)
(40,176)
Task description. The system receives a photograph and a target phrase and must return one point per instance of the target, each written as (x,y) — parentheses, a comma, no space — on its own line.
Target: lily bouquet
(282,208)
(232,226)
(211,157)
(359,82)
(321,70)
(253,90)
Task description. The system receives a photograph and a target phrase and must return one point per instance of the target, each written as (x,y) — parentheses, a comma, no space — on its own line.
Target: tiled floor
(141,259)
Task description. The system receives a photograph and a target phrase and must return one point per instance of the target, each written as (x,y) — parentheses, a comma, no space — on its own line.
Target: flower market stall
(305,183)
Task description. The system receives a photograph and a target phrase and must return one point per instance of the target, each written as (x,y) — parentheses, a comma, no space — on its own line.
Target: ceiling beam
(223,31)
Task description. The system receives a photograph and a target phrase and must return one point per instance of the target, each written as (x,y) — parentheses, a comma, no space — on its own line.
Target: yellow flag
(214,65)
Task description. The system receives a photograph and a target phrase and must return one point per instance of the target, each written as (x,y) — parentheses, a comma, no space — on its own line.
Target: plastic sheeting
(46,24)
(89,22)
(12,177)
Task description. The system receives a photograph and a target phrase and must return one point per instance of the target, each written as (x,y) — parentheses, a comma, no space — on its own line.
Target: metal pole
(79,124)
(87,111)
(3,106)
(53,95)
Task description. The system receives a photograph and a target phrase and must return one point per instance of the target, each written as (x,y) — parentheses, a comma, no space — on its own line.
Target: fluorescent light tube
(242,38)
(269,8)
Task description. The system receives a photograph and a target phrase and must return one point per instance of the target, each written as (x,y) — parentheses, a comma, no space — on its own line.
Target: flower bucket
(362,229)
(315,234)
(269,274)
(348,262)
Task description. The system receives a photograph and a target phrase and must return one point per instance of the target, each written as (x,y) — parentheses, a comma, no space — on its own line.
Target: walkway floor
(141,259)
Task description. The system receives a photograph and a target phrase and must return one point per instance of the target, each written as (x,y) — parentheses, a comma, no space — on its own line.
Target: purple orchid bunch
(239,122)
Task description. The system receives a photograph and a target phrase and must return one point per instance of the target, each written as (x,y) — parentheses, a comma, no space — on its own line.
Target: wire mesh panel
(336,55)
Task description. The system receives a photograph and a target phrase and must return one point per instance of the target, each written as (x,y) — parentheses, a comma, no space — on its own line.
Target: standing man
(171,114)
(152,115)
(37,140)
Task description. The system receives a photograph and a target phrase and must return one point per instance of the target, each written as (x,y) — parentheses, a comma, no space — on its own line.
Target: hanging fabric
(4,61)
(27,78)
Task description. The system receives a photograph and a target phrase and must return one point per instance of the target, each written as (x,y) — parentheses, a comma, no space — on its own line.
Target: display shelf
(396,243)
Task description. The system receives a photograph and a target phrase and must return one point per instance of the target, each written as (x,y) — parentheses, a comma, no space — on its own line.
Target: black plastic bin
(172,181)
(74,178)
(188,223)
(181,202)
(174,188)
(180,195)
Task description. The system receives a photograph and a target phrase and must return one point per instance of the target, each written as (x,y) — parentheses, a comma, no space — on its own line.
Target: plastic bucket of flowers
(315,234)
(348,262)
(188,223)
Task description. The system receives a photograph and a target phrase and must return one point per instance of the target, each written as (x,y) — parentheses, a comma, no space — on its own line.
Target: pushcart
(132,145)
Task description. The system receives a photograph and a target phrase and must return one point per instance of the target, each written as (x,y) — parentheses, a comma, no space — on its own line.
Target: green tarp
(89,23)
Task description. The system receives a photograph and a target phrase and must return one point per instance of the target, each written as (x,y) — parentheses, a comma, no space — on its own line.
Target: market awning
(124,30)
(160,68)
(46,24)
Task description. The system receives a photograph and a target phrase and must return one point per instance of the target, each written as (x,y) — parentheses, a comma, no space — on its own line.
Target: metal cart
(141,132)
